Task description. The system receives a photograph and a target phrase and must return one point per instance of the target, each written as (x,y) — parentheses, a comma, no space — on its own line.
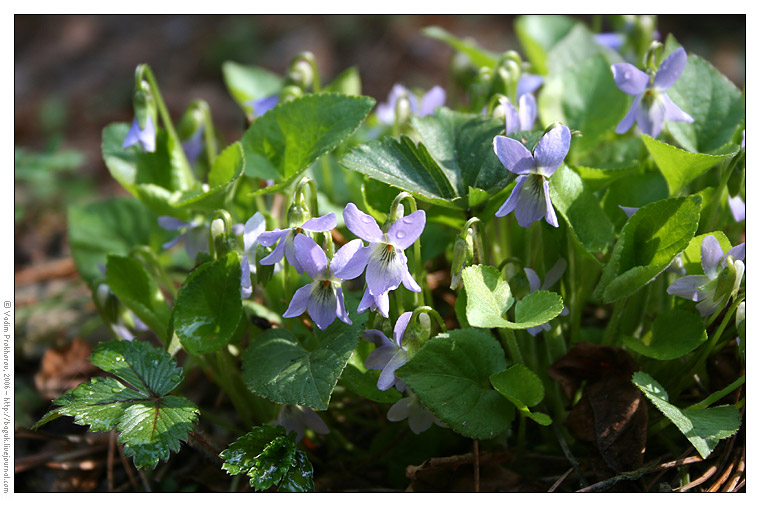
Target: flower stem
(418,268)
(610,334)
(510,341)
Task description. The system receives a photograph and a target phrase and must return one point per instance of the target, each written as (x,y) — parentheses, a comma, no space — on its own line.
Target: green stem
(610,334)
(722,188)
(418,268)
(510,341)
(209,134)
(144,71)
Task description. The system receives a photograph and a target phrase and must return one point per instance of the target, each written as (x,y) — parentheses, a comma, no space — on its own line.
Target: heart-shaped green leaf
(674,334)
(450,375)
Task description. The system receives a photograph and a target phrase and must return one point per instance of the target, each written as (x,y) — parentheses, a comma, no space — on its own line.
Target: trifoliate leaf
(150,423)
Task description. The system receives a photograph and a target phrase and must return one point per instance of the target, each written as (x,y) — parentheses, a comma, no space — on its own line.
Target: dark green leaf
(523,388)
(674,334)
(714,102)
(635,190)
(115,226)
(150,424)
(450,375)
(134,287)
(679,167)
(703,427)
(279,368)
(228,166)
(649,241)
(364,383)
(580,208)
(208,307)
(284,142)
(269,457)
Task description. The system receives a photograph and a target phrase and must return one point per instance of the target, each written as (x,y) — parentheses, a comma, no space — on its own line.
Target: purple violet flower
(145,137)
(652,106)
(297,418)
(611,40)
(323,297)
(420,418)
(286,237)
(261,106)
(703,288)
(193,147)
(521,118)
(194,235)
(738,210)
(389,355)
(384,257)
(530,198)
(552,277)
(386,111)
(379,303)
(528,83)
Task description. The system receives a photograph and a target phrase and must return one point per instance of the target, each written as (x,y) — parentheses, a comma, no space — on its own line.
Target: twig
(111,445)
(476,465)
(59,268)
(637,474)
(699,480)
(569,455)
(144,479)
(731,485)
(206,446)
(739,486)
(127,468)
(560,480)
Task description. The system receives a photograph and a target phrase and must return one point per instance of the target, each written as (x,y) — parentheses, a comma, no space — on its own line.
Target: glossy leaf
(703,427)
(450,375)
(679,167)
(649,241)
(284,142)
(150,423)
(715,103)
(269,458)
(133,286)
(580,209)
(208,307)
(279,368)
(674,334)
(488,296)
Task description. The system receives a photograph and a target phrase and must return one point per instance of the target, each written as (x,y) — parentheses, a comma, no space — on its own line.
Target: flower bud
(301,74)
(403,109)
(289,93)
(297,215)
(106,302)
(190,123)
(144,105)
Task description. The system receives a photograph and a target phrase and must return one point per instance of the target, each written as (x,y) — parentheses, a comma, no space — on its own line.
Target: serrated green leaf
(714,102)
(584,97)
(456,153)
(674,334)
(133,286)
(365,384)
(649,241)
(488,296)
(480,57)
(115,226)
(284,142)
(450,375)
(519,385)
(208,307)
(269,457)
(279,368)
(538,34)
(246,83)
(703,427)
(150,424)
(462,144)
(580,209)
(679,167)
(404,165)
(692,255)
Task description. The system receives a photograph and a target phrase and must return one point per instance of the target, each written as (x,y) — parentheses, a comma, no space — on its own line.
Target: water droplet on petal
(627,75)
(367,219)
(400,234)
(406,220)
